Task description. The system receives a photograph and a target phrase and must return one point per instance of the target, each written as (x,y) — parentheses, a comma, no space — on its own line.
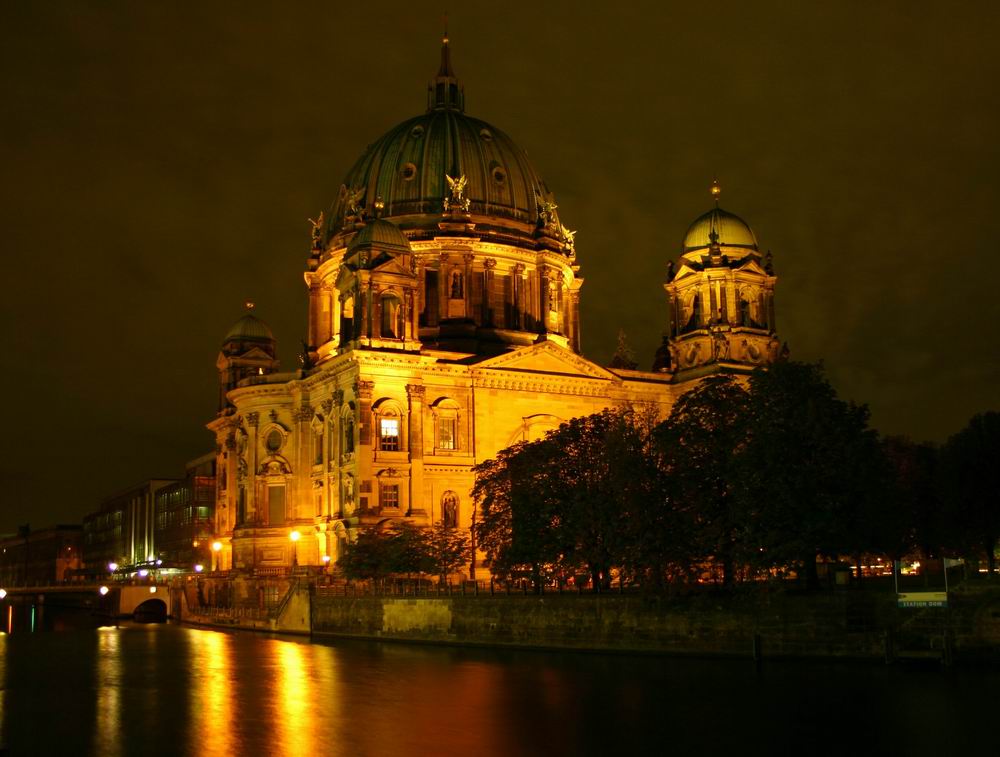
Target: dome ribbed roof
(406,170)
(382,234)
(731,231)
(249,328)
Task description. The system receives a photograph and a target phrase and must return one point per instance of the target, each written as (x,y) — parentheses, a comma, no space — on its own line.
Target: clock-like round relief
(273,440)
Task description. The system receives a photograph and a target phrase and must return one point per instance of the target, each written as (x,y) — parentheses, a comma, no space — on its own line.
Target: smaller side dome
(249,328)
(382,234)
(720,227)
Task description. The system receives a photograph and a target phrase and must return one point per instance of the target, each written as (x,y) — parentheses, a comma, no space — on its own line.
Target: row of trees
(746,476)
(405,550)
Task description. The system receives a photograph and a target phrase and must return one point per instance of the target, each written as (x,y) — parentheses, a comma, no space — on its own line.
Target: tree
(970,484)
(563,503)
(516,528)
(447,548)
(801,483)
(701,443)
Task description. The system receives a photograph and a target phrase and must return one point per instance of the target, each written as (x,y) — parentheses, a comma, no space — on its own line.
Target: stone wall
(844,624)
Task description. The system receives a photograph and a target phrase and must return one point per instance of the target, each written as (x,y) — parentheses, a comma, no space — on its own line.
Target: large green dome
(402,175)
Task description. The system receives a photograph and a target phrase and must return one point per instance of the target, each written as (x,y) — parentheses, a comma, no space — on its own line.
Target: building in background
(122,530)
(185,517)
(443,326)
(45,557)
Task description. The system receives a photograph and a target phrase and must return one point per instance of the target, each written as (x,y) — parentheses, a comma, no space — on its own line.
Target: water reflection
(212,691)
(294,722)
(174,691)
(107,727)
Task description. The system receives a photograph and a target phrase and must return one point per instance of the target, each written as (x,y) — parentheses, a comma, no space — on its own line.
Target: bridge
(148,602)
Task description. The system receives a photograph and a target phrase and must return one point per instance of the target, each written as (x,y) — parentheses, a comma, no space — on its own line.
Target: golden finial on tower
(250,304)
(716,190)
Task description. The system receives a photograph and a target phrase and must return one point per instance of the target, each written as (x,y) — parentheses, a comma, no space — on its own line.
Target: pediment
(393,267)
(255,353)
(547,357)
(684,270)
(752,266)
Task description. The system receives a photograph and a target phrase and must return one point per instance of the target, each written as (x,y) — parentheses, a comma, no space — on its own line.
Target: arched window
(446,416)
(449,509)
(347,320)
(392,323)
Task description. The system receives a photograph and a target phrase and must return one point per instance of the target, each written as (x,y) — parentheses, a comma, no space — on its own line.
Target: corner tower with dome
(443,326)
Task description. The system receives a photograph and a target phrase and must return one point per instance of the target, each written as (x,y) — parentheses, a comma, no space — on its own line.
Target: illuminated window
(389,496)
(388,434)
(318,446)
(446,432)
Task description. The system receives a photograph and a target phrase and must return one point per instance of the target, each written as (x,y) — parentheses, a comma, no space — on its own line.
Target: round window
(417,131)
(486,135)
(273,441)
(408,172)
(499,175)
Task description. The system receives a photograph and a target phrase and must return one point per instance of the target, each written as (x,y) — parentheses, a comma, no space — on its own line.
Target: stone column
(543,299)
(443,289)
(251,482)
(328,445)
(415,395)
(467,283)
(366,442)
(574,308)
(487,313)
(302,472)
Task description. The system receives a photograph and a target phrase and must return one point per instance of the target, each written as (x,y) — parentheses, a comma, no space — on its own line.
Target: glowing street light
(216,546)
(295,536)
(143,573)
(152,590)
(199,568)
(103,591)
(3,593)
(112,567)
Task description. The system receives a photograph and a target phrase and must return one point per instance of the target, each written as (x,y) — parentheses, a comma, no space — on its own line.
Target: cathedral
(444,325)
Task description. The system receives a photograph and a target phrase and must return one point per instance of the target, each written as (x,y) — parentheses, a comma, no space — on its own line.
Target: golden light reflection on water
(295,718)
(107,728)
(3,686)
(212,691)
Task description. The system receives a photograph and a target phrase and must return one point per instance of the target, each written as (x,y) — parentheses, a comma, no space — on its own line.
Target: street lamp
(103,591)
(3,593)
(216,547)
(294,536)
(112,567)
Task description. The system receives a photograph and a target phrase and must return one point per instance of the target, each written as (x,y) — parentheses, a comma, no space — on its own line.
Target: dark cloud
(160,162)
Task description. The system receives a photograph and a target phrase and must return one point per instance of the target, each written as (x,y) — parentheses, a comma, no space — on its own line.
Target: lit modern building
(443,304)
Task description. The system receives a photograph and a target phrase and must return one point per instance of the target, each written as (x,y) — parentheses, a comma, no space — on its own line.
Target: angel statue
(317,231)
(354,208)
(457,199)
(568,238)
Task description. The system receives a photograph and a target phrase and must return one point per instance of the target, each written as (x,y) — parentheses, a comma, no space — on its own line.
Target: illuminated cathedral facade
(444,325)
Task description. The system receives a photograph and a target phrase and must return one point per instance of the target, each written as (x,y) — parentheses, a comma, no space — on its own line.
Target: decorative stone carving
(253,419)
(355,210)
(326,406)
(363,389)
(316,233)
(456,200)
(273,415)
(416,391)
(338,397)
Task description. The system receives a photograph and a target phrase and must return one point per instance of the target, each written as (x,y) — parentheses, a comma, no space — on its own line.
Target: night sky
(160,160)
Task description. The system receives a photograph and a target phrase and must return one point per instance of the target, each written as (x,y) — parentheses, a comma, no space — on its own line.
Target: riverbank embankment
(846,624)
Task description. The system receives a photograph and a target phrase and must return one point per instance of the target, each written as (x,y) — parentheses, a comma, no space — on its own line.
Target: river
(171,690)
